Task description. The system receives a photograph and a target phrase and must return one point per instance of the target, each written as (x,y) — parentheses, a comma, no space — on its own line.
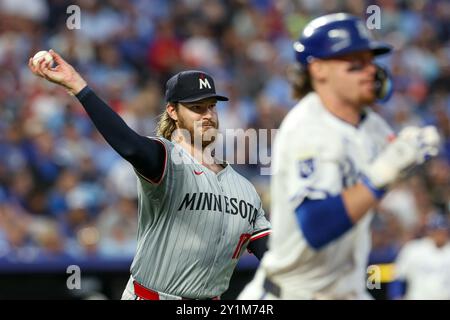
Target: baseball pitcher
(196,214)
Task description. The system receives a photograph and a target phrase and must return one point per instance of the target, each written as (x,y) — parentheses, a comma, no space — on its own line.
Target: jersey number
(242,240)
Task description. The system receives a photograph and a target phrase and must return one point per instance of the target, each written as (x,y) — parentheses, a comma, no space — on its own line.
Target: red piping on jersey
(242,240)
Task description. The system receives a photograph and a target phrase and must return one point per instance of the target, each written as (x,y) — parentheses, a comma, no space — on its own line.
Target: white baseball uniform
(317,155)
(426,270)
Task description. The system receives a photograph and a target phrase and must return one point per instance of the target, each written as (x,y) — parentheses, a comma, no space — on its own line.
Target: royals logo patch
(306,167)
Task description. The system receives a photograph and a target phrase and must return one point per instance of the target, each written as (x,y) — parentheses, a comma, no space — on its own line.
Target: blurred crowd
(65,192)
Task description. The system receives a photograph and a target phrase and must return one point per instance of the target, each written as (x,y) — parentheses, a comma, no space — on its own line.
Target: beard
(205,132)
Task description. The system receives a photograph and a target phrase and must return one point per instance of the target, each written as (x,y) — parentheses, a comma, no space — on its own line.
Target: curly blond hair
(166,125)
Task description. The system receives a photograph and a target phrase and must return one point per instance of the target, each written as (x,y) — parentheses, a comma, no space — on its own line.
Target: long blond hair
(166,125)
(300,79)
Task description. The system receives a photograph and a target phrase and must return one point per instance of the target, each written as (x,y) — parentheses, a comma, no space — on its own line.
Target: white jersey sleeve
(311,163)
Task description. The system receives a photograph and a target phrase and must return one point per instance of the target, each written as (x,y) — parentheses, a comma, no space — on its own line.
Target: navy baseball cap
(190,86)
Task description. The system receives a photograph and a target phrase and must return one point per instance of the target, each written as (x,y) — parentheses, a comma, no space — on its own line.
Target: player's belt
(143,293)
(271,287)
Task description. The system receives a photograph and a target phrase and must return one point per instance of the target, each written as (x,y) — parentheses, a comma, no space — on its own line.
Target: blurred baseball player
(422,268)
(195,216)
(333,160)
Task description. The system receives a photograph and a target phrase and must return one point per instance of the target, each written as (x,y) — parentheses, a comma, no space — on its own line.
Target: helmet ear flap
(384,85)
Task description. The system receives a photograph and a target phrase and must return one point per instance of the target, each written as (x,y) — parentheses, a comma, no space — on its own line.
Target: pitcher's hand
(63,73)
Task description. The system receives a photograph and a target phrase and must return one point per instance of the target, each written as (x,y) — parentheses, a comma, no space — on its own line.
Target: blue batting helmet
(334,35)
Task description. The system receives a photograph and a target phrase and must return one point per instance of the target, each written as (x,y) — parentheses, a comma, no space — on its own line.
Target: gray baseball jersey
(194,225)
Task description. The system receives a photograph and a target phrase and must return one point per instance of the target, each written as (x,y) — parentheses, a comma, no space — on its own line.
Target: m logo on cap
(204,83)
(191,86)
